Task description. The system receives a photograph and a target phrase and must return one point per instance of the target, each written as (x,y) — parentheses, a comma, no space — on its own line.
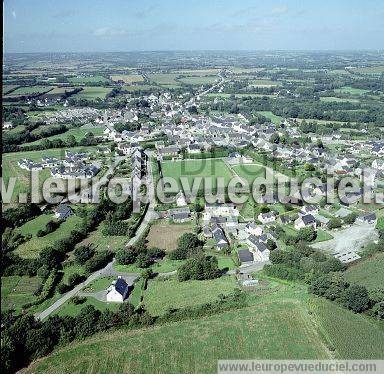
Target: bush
(98,261)
(199,268)
(83,254)
(126,256)
(188,245)
(77,300)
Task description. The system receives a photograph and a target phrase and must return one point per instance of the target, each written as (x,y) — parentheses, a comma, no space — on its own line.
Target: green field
(249,172)
(78,133)
(199,80)
(269,330)
(350,335)
(196,168)
(128,78)
(71,309)
(164,79)
(92,93)
(83,80)
(9,87)
(368,272)
(161,295)
(17,291)
(36,224)
(351,91)
(32,247)
(333,99)
(30,90)
(102,242)
(272,117)
(264,83)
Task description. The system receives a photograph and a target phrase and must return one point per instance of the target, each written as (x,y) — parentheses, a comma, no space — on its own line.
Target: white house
(180,199)
(266,217)
(309,209)
(118,291)
(252,229)
(378,164)
(259,248)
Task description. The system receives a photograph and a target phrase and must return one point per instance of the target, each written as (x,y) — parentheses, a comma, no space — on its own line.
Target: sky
(152,25)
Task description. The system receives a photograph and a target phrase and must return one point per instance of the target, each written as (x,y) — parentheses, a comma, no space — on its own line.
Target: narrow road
(108,270)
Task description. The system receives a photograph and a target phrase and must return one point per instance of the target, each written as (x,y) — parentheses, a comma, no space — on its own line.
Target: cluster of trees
(325,277)
(51,226)
(188,245)
(301,263)
(199,267)
(334,287)
(25,339)
(12,140)
(73,280)
(114,223)
(17,216)
(139,254)
(128,126)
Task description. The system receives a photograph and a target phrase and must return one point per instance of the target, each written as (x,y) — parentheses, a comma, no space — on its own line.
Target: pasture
(264,83)
(368,272)
(164,235)
(32,247)
(162,295)
(249,172)
(349,335)
(333,99)
(128,78)
(93,93)
(78,133)
(91,79)
(30,90)
(195,80)
(102,242)
(164,79)
(17,291)
(351,91)
(204,168)
(278,330)
(272,117)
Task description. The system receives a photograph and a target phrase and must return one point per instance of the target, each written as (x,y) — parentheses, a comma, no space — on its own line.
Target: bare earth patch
(164,235)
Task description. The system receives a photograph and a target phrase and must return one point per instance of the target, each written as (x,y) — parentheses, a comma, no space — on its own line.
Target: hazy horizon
(51,26)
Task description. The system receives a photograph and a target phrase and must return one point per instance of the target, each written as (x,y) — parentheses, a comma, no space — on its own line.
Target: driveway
(351,238)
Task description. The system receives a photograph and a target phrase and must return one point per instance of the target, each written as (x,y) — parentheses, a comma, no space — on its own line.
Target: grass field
(71,309)
(165,79)
(99,284)
(92,93)
(83,80)
(163,266)
(269,330)
(196,168)
(36,224)
(350,335)
(199,80)
(9,87)
(30,90)
(351,90)
(368,272)
(264,83)
(17,291)
(249,172)
(128,78)
(140,87)
(333,99)
(32,247)
(102,242)
(322,236)
(164,235)
(78,133)
(161,295)
(272,117)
